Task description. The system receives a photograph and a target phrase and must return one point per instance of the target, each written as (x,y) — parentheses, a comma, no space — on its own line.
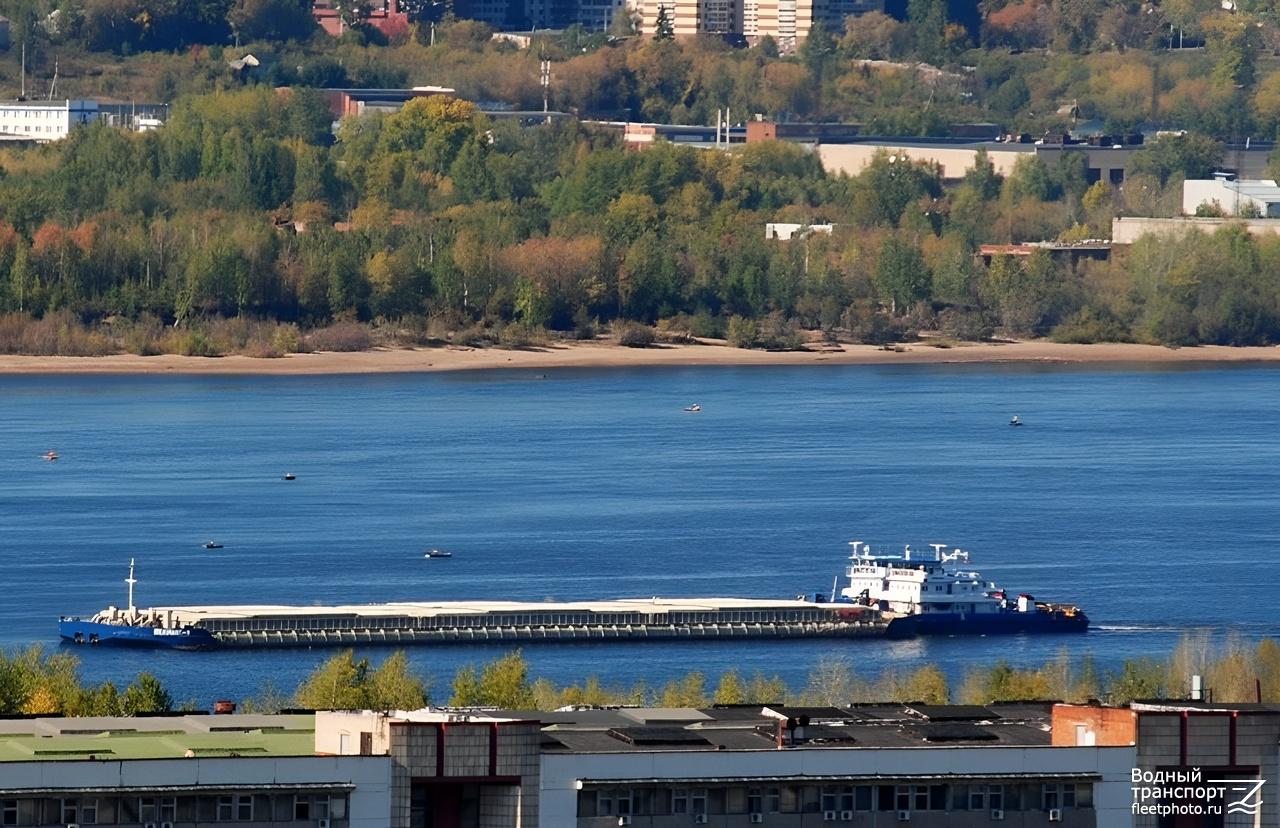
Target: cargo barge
(897,596)
(655,619)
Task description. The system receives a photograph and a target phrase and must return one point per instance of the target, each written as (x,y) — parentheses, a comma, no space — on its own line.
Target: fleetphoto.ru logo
(1179,793)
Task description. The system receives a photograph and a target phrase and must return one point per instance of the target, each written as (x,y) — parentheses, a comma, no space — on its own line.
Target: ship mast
(131,581)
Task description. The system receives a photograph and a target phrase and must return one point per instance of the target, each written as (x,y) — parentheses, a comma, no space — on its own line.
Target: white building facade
(43,120)
(1255,199)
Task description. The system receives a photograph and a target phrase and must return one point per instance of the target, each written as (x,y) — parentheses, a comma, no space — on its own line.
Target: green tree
(1194,156)
(662,27)
(503,682)
(1139,678)
(901,273)
(689,691)
(145,695)
(337,684)
(729,690)
(394,686)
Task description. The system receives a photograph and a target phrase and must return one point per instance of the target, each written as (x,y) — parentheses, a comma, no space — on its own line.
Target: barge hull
(341,638)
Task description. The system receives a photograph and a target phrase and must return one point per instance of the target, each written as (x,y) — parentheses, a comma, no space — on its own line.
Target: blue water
(1146,494)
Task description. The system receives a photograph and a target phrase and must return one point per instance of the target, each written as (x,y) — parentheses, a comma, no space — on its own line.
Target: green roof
(28,740)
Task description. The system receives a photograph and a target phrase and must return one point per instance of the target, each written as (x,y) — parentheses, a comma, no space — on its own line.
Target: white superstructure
(918,585)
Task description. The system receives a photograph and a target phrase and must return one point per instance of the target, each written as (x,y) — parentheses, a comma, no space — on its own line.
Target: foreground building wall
(951,786)
(446,769)
(348,792)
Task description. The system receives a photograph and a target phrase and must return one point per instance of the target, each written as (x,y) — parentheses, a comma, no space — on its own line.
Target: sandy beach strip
(604,355)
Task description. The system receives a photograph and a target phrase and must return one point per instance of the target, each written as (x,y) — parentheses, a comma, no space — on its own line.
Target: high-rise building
(834,12)
(786,21)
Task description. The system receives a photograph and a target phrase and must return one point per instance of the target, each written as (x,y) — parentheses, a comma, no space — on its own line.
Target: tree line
(34,682)
(437,224)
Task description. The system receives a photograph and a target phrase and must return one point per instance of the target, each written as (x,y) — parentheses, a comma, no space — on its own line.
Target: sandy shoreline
(603,355)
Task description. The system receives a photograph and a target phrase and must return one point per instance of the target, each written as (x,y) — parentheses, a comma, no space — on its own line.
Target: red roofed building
(384,15)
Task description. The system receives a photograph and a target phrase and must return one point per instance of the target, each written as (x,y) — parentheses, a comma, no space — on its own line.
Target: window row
(132,810)
(792,799)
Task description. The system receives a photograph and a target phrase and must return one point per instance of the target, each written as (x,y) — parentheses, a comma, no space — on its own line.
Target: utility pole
(546,86)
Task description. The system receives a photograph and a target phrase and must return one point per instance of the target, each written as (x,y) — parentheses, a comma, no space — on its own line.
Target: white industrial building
(43,120)
(1254,198)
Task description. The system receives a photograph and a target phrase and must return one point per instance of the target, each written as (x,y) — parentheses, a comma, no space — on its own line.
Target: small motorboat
(51,455)
(438,553)
(290,476)
(694,407)
(212,545)
(1015,421)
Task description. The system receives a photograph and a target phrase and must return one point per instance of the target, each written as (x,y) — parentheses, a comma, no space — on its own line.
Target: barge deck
(197,627)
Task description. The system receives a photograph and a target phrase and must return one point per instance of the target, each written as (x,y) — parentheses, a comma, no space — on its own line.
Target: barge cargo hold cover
(198,627)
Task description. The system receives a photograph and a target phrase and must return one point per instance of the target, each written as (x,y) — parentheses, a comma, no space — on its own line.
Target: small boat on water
(438,553)
(212,545)
(51,455)
(1015,421)
(290,476)
(694,407)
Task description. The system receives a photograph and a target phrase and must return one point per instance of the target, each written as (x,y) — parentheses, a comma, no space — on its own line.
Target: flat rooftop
(159,737)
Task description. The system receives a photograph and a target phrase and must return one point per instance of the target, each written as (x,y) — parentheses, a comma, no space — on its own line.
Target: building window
(920,797)
(979,797)
(1058,795)
(9,812)
(235,808)
(689,801)
(610,802)
(755,800)
(310,807)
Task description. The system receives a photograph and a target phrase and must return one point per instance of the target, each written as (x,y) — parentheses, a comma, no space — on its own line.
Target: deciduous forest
(248,223)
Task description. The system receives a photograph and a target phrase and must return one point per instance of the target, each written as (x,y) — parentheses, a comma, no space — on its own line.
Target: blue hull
(998,623)
(75,631)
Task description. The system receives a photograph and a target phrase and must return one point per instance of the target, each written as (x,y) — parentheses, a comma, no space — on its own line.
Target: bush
(743,332)
(964,325)
(286,340)
(634,335)
(1088,327)
(340,336)
(196,343)
(519,335)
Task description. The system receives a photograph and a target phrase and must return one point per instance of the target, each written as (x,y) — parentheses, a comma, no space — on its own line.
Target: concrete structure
(1253,198)
(446,768)
(956,156)
(183,771)
(1207,743)
(43,121)
(783,231)
(729,766)
(834,12)
(343,102)
(1093,724)
(873,765)
(1129,229)
(786,21)
(762,130)
(384,15)
(1070,252)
